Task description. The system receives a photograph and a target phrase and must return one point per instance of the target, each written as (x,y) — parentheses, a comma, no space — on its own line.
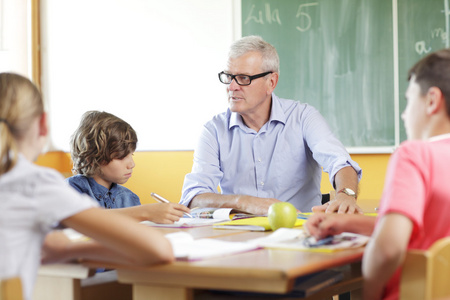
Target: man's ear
(273,81)
(43,127)
(435,100)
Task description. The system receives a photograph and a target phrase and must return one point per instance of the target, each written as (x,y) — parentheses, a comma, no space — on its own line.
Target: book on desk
(186,248)
(204,216)
(252,224)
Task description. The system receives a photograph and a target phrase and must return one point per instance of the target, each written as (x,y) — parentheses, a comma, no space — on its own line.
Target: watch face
(349,192)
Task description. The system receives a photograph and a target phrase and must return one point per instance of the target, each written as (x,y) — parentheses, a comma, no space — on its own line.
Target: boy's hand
(165,213)
(321,225)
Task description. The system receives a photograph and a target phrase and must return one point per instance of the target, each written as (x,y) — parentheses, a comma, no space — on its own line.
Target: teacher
(265,149)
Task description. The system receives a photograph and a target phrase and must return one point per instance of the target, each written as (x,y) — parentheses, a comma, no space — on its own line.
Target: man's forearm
(214,200)
(346,178)
(250,204)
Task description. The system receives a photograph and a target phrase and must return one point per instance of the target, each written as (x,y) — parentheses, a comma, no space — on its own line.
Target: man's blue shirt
(283,160)
(116,197)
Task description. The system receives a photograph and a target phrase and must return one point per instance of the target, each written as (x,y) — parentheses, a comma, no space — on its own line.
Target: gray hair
(271,61)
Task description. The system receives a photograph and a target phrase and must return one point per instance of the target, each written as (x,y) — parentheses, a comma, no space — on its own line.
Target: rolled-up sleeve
(327,150)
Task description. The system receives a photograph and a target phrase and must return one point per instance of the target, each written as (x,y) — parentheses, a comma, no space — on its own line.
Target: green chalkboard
(340,56)
(423,28)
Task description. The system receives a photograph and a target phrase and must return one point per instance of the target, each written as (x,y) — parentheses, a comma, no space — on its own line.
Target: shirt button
(259,159)
(262,183)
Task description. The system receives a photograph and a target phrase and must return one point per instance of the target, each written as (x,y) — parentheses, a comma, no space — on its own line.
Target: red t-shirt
(418,186)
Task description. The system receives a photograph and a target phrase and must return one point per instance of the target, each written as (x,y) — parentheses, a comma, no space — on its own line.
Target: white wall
(14,37)
(153,63)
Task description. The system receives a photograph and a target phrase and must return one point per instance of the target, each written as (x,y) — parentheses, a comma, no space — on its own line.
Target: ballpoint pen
(164,200)
(311,242)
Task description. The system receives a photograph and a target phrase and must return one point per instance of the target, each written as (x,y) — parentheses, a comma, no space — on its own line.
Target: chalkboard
(347,57)
(423,28)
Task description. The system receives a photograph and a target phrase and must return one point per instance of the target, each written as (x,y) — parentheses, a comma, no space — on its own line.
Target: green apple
(282,214)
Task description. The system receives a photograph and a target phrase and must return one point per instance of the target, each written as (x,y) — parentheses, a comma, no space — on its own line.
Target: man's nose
(233,86)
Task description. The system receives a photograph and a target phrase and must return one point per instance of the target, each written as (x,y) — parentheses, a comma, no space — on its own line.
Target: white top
(33,200)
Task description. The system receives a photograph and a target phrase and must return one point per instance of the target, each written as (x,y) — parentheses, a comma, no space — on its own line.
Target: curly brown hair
(100,138)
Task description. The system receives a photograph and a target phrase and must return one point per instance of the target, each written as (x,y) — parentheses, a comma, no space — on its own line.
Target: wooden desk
(64,281)
(264,270)
(60,281)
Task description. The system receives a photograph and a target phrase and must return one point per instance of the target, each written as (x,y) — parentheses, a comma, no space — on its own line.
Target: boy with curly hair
(102,151)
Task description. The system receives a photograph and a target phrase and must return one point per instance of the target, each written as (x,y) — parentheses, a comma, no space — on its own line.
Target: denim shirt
(116,197)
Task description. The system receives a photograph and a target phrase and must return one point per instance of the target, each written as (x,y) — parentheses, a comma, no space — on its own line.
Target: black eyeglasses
(240,79)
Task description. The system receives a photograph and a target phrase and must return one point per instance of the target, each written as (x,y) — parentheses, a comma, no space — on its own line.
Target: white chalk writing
(304,17)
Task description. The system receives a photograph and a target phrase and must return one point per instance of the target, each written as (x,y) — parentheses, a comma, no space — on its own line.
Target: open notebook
(297,239)
(203,216)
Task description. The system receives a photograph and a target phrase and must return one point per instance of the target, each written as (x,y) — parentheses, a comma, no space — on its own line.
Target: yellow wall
(163,173)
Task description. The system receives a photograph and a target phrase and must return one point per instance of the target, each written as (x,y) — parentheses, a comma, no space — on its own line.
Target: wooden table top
(262,270)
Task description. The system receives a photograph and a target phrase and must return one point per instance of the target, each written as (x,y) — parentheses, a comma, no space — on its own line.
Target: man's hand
(255,205)
(250,204)
(343,204)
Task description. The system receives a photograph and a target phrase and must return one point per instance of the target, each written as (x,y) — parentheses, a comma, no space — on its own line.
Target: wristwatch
(348,191)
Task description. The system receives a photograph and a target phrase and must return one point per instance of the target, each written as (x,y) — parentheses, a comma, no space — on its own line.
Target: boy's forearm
(386,251)
(360,224)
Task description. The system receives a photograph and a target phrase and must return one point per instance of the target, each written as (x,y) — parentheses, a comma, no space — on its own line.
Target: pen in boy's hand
(159,198)
(164,200)
(311,242)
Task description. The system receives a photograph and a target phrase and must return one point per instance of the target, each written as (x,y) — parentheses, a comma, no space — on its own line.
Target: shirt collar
(100,189)
(439,137)
(276,114)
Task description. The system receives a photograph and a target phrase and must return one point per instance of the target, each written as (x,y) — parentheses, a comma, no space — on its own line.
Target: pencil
(164,200)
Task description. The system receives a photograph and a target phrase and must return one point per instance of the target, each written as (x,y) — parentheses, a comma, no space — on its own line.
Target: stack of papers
(187,249)
(220,213)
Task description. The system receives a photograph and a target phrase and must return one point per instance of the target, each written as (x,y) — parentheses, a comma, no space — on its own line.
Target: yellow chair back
(426,274)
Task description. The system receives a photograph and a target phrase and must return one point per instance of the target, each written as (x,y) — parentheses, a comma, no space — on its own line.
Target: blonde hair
(20,104)
(100,138)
